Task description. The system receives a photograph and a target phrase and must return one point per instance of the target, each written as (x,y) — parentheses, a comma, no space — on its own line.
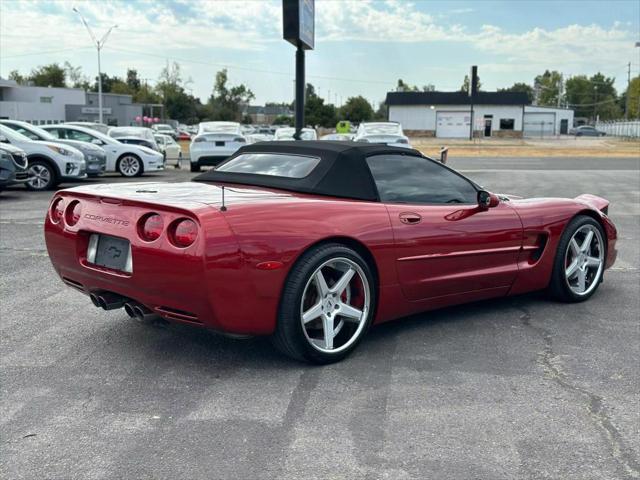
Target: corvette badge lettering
(112,220)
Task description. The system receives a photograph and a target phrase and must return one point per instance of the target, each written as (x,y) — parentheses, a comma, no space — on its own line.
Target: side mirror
(3,139)
(487,200)
(97,141)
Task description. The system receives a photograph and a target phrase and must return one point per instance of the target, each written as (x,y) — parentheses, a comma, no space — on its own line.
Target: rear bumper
(206,284)
(209,160)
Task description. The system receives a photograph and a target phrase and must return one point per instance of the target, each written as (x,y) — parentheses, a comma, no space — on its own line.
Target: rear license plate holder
(219,144)
(110,252)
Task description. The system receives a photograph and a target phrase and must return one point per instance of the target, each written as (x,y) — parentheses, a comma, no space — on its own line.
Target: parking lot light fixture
(99,44)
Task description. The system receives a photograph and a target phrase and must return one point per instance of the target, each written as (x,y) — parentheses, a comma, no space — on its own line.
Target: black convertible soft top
(341,172)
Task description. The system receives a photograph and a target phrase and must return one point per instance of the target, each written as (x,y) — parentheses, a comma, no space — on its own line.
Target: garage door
(452,124)
(539,124)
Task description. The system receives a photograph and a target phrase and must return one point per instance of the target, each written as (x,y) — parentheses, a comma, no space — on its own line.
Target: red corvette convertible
(312,242)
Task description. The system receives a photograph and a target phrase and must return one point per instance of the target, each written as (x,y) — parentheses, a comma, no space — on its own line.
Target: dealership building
(48,105)
(495,114)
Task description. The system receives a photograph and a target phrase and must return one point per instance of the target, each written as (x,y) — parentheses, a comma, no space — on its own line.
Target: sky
(362,47)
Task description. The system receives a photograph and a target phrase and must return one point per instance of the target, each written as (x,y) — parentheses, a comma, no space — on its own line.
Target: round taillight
(74,210)
(57,210)
(184,232)
(151,227)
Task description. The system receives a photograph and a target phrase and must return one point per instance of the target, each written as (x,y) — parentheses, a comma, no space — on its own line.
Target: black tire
(43,176)
(559,285)
(290,337)
(128,158)
(195,167)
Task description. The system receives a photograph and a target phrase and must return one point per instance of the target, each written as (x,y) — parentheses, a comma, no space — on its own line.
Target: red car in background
(182,135)
(313,242)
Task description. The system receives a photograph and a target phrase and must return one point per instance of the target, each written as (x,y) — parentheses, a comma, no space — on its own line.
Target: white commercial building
(37,105)
(495,114)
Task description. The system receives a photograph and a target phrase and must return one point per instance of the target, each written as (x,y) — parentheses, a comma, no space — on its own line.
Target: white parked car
(99,127)
(165,129)
(136,132)
(286,133)
(389,133)
(168,146)
(127,160)
(215,142)
(50,163)
(95,156)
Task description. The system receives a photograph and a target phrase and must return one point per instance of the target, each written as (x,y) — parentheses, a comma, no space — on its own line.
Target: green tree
(226,102)
(466,84)
(401,86)
(52,75)
(132,80)
(593,97)
(547,88)
(633,92)
(283,120)
(17,77)
(520,87)
(357,109)
(382,112)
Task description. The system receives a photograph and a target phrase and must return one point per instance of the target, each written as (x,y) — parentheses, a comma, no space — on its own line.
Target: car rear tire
(327,305)
(130,165)
(42,176)
(580,260)
(195,167)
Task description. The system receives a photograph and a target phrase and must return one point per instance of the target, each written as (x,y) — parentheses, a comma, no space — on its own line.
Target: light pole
(99,44)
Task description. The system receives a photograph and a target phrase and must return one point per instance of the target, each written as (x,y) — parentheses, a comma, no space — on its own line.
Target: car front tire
(195,167)
(579,263)
(130,166)
(42,176)
(327,305)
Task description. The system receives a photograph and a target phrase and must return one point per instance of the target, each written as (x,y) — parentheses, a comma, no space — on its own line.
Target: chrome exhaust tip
(142,313)
(95,300)
(129,309)
(107,300)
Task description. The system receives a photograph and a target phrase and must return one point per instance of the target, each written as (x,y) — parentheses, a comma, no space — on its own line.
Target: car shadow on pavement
(185,347)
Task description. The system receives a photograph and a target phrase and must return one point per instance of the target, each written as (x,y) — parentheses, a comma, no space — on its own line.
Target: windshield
(43,134)
(287,134)
(119,132)
(12,135)
(219,128)
(382,129)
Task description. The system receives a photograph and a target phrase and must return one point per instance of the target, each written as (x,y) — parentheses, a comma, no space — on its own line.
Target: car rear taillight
(239,140)
(57,210)
(402,140)
(74,210)
(150,227)
(183,232)
(199,139)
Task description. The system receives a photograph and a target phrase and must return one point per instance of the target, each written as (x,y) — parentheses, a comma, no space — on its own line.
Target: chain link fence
(620,128)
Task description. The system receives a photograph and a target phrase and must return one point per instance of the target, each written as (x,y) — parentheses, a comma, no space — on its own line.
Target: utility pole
(560,88)
(99,44)
(626,106)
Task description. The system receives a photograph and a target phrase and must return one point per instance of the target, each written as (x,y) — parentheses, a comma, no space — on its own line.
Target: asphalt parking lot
(516,388)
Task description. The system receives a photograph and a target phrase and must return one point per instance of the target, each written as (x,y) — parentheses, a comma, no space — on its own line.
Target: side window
(411,179)
(27,133)
(81,136)
(56,132)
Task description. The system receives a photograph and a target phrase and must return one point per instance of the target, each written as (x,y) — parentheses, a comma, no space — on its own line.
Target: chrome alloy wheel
(129,166)
(39,177)
(584,260)
(335,305)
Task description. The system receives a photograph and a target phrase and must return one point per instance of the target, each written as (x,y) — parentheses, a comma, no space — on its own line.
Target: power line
(43,52)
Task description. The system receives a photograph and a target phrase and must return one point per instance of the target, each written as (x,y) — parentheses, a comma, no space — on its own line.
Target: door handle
(410,218)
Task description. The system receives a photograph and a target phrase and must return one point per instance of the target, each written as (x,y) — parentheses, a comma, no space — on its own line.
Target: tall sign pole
(298,18)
